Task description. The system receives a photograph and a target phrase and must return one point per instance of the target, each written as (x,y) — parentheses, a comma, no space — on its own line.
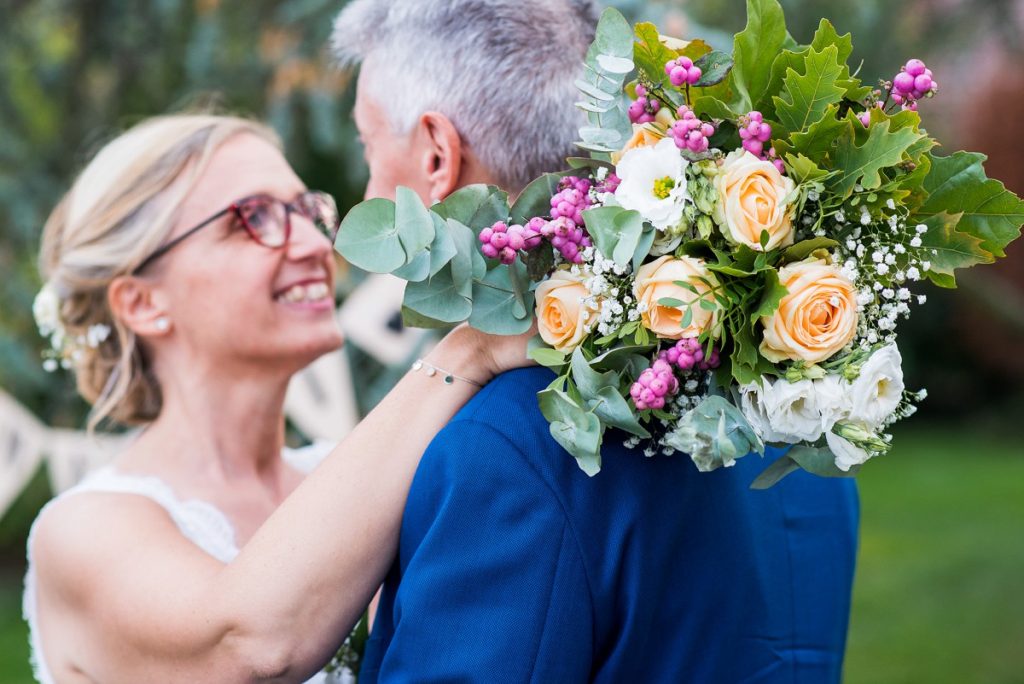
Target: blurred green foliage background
(940,588)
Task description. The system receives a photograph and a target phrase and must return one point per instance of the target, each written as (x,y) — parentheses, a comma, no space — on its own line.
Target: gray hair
(501,70)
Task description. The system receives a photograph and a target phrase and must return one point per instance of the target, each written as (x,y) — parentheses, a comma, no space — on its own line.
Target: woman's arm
(277,612)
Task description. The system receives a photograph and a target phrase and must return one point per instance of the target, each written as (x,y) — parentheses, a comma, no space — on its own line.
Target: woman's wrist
(462,352)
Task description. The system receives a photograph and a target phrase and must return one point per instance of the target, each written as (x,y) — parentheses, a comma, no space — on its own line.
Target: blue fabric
(514,566)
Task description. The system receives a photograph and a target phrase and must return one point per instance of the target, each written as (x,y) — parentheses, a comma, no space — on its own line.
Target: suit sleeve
(494,587)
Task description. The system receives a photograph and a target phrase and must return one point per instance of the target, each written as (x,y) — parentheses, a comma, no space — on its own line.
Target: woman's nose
(306,240)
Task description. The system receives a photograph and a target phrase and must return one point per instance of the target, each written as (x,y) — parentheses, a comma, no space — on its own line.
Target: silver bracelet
(446,376)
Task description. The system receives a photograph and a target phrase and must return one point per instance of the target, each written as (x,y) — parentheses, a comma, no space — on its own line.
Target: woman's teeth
(305,293)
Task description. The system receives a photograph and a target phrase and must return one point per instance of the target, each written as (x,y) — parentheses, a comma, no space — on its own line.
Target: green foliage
(863,163)
(951,249)
(608,60)
(714,434)
(615,231)
(577,430)
(754,50)
(535,199)
(381,236)
(808,94)
(500,305)
(957,185)
(715,67)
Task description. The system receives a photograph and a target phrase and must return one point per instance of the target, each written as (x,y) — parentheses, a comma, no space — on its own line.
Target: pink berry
(904,82)
(923,83)
(485,235)
(489,251)
(693,75)
(657,403)
(499,240)
(915,67)
(677,76)
(661,367)
(865,118)
(641,91)
(755,147)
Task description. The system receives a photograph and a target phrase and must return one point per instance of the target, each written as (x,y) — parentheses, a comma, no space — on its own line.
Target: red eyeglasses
(267,220)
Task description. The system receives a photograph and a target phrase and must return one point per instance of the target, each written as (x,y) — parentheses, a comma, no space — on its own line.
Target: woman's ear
(442,153)
(136,303)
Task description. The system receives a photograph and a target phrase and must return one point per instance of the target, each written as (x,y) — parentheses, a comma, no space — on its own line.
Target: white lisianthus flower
(792,409)
(753,409)
(654,183)
(846,453)
(833,400)
(877,391)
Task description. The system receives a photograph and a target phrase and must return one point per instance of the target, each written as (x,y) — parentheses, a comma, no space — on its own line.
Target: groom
(513,565)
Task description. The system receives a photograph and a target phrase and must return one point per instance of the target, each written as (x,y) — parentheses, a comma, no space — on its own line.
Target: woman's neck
(216,430)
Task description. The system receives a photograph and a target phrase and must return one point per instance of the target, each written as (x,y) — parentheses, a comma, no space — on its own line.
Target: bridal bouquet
(728,266)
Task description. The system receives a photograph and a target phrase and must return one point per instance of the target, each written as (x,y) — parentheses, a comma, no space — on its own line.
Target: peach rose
(563,315)
(816,318)
(752,198)
(657,280)
(647,134)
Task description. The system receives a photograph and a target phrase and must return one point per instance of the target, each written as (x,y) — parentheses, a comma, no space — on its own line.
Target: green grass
(14,668)
(939,596)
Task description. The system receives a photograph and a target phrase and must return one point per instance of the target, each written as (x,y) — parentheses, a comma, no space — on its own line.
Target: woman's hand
(479,356)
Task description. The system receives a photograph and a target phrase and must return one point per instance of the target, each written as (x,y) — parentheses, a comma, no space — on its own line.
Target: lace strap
(199,521)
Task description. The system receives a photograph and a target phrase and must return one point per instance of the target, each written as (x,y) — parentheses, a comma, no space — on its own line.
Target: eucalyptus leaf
(615,65)
(495,304)
(439,297)
(593,91)
(819,461)
(779,469)
(413,223)
(413,319)
(578,431)
(613,409)
(596,107)
(476,206)
(548,357)
(600,136)
(587,380)
(643,246)
(368,238)
(714,434)
(616,232)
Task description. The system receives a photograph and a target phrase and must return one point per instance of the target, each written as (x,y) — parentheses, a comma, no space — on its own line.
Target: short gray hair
(501,70)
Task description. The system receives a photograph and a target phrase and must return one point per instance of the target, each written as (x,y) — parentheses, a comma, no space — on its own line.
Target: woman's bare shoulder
(80,541)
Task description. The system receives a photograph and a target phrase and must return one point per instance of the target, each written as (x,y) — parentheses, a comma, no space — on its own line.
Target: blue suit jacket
(514,566)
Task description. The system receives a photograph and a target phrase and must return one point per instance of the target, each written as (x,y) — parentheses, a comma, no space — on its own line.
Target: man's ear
(138,305)
(442,154)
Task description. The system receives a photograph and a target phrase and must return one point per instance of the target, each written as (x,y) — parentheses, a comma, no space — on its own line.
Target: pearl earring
(163,324)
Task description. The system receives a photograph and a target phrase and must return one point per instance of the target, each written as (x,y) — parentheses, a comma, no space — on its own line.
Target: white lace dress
(200,522)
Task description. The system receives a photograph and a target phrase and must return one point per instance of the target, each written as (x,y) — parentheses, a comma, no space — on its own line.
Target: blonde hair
(120,209)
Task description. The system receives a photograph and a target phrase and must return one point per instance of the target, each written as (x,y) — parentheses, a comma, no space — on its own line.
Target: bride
(193,273)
